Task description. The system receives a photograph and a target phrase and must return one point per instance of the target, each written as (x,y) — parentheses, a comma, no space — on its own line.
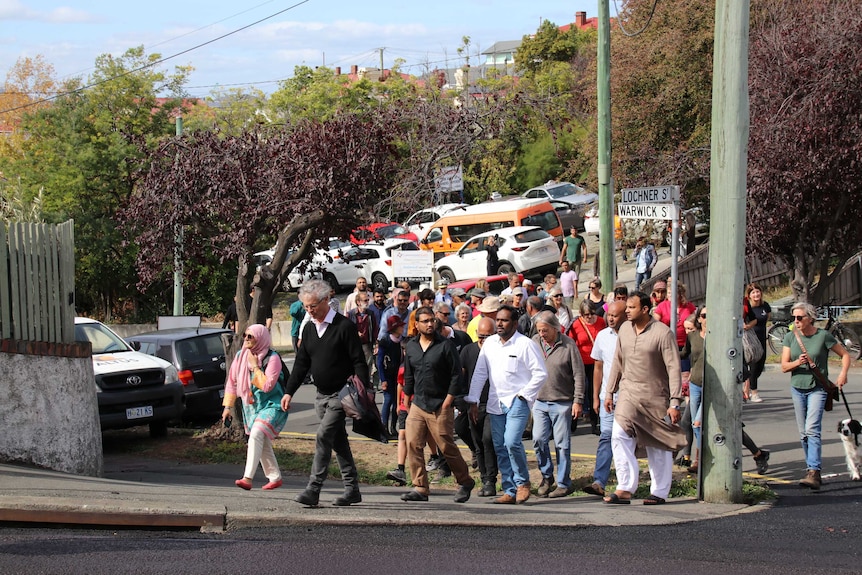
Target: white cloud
(13,10)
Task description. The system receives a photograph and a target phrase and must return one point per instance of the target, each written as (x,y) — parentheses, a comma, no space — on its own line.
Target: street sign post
(650,195)
(648,211)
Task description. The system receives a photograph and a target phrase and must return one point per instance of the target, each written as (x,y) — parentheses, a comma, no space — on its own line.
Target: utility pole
(607,259)
(381,64)
(178,250)
(721,457)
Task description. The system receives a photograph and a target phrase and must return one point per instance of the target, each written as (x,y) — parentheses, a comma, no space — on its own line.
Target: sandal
(614,499)
(654,500)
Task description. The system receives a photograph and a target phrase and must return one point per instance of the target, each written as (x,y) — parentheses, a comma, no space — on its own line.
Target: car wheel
(447,275)
(333,283)
(505,268)
(159,429)
(379,281)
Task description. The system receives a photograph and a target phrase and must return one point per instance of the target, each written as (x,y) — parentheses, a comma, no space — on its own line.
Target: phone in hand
(227,421)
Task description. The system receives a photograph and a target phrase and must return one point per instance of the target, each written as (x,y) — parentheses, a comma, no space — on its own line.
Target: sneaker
(560,492)
(762,462)
(398,476)
(755,397)
(433,463)
(442,473)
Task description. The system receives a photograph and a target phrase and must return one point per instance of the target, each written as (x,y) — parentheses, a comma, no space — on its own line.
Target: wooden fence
(846,290)
(37,282)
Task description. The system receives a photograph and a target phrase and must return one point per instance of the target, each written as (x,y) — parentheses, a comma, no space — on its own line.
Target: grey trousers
(332,436)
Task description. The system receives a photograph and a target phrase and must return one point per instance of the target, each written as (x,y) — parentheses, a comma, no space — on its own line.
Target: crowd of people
(492,370)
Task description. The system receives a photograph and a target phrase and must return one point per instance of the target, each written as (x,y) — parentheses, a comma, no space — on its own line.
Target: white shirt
(514,368)
(604,349)
(321,326)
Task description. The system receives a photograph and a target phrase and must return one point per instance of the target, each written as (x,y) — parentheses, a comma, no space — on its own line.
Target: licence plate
(139,412)
(542,250)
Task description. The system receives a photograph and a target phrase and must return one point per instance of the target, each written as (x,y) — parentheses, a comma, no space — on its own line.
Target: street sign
(647,211)
(649,195)
(415,265)
(449,179)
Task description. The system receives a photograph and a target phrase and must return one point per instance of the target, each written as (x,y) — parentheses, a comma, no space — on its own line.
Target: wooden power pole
(721,456)
(607,259)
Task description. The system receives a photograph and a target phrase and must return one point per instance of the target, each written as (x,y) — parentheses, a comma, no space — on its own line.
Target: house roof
(502,47)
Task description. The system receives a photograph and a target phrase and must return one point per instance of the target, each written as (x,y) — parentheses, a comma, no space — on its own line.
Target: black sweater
(330,359)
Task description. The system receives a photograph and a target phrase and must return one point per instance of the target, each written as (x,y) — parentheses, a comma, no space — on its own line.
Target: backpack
(285,372)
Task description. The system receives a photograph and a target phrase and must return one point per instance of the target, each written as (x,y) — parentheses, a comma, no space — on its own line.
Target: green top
(574,248)
(818,345)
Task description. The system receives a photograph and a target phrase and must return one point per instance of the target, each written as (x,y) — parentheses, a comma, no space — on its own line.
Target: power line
(645,26)
(156,63)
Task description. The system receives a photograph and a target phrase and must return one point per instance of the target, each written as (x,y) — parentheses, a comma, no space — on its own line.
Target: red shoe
(242,483)
(272,485)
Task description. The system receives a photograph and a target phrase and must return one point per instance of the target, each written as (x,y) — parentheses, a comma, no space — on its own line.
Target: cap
(526,282)
(457,292)
(659,284)
(489,304)
(394,322)
(478,292)
(519,291)
(442,283)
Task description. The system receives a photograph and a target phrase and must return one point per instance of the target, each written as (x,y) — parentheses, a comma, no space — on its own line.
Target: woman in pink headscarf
(255,377)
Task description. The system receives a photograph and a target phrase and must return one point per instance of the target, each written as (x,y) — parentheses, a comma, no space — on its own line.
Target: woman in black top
(757,315)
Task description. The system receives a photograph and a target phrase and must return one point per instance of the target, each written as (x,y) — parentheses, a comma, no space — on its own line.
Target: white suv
(522,249)
(372,261)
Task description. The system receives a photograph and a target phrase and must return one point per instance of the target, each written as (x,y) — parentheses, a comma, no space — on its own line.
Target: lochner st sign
(650,195)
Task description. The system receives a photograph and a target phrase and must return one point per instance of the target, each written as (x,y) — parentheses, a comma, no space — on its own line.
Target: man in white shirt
(514,366)
(361,287)
(603,352)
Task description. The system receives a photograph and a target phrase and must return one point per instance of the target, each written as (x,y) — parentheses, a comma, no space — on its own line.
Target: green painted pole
(721,460)
(607,260)
(178,249)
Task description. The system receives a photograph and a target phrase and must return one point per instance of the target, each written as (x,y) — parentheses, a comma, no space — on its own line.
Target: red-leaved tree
(314,181)
(805,146)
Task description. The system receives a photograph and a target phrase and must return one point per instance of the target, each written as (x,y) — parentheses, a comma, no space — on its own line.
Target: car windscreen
(102,339)
(545,220)
(406,246)
(531,236)
(391,231)
(564,190)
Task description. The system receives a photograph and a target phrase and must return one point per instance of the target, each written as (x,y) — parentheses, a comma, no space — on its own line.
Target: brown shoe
(523,492)
(812,480)
(595,488)
(504,499)
(545,487)
(560,492)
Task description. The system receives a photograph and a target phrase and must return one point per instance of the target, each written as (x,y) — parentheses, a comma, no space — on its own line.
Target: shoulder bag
(832,390)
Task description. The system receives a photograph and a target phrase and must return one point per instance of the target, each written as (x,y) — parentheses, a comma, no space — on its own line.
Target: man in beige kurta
(646,373)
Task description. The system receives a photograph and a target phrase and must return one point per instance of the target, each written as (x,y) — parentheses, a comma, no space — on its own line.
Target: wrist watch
(676,407)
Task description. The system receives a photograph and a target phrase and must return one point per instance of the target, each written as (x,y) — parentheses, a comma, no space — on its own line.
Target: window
(467,231)
(545,220)
(435,235)
(531,236)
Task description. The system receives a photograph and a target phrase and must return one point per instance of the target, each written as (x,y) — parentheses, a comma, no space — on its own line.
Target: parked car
(496,284)
(419,222)
(132,388)
(198,356)
(566,192)
(570,215)
(294,281)
(591,222)
(528,250)
(373,261)
(379,231)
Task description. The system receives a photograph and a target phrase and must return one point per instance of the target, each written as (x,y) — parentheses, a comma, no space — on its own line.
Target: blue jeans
(507,431)
(695,398)
(808,405)
(556,415)
(604,453)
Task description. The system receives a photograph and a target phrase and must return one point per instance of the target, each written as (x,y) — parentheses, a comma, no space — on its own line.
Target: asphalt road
(805,533)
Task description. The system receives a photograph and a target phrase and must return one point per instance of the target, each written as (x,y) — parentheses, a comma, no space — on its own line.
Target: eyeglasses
(312,306)
(703,315)
(247,336)
(799,317)
(428,320)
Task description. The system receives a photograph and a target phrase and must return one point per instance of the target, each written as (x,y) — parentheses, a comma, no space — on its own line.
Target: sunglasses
(558,295)
(247,336)
(483,336)
(799,317)
(703,315)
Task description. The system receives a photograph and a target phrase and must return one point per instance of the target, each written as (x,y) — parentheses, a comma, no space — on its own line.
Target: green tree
(84,151)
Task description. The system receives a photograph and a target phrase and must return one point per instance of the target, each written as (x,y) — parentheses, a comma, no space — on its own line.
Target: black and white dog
(850,429)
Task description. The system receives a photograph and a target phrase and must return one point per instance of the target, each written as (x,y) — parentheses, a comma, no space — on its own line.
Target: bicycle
(844,334)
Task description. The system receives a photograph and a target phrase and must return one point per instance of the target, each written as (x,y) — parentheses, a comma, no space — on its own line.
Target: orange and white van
(450,232)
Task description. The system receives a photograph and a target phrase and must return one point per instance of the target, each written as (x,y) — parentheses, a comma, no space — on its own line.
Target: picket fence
(37,282)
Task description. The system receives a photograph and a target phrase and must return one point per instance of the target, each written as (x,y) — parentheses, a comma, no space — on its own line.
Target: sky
(70,35)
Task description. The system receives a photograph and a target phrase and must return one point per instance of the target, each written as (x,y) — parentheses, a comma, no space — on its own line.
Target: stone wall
(49,416)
